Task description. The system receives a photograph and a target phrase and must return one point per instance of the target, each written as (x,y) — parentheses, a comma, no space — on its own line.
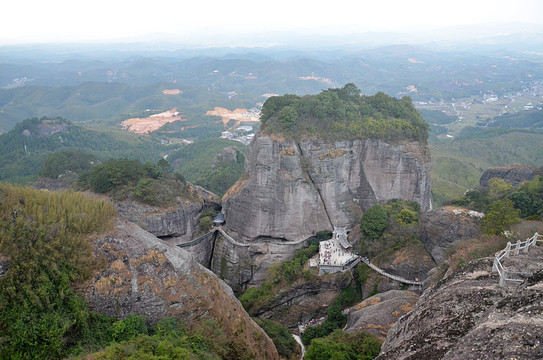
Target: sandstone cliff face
(291,190)
(513,174)
(468,316)
(446,227)
(378,313)
(146,276)
(179,224)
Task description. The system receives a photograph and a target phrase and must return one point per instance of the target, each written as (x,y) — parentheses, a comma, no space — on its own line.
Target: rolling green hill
(24,149)
(458,164)
(532,119)
(195,162)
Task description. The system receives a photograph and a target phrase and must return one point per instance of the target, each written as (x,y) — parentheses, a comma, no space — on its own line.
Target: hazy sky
(23,21)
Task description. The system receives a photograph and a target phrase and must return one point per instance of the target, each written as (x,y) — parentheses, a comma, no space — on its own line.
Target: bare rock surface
(178,223)
(140,274)
(378,313)
(228,154)
(445,227)
(513,174)
(293,189)
(468,315)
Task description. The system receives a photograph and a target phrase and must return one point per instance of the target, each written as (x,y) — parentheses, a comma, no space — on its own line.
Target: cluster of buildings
(242,135)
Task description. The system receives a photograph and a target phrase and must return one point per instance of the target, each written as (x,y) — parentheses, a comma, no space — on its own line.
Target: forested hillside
(458,164)
(25,148)
(201,164)
(532,119)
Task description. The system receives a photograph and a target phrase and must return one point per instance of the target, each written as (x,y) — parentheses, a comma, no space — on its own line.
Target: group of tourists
(333,254)
(312,322)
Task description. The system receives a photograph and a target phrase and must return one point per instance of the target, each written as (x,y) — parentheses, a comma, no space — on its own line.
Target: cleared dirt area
(238,115)
(151,123)
(172,92)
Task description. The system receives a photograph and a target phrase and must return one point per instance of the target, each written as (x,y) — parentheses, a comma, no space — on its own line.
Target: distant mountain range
(106,85)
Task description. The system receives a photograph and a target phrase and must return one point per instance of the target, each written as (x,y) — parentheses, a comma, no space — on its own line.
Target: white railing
(390,276)
(513,249)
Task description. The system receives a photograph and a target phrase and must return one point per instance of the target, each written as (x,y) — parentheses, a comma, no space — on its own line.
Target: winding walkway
(505,273)
(348,267)
(393,277)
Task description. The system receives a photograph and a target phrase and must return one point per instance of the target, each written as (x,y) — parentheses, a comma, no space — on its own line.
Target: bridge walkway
(390,276)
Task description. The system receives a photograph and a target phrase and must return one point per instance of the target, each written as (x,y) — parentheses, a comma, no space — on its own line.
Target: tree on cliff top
(374,221)
(501,215)
(344,113)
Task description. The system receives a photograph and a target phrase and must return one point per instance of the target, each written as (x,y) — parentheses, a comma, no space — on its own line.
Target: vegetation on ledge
(341,345)
(148,182)
(344,113)
(503,204)
(45,237)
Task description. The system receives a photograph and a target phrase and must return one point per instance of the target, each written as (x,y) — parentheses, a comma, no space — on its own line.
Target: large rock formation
(293,189)
(468,315)
(378,313)
(143,275)
(178,224)
(228,154)
(445,227)
(513,174)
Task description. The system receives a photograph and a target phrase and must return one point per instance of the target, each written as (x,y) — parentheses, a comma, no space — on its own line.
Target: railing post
(508,249)
(527,244)
(518,247)
(495,265)
(502,278)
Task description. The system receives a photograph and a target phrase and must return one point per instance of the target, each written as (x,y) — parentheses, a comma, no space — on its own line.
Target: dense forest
(343,113)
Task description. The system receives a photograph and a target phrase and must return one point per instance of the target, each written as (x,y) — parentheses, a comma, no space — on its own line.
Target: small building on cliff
(336,254)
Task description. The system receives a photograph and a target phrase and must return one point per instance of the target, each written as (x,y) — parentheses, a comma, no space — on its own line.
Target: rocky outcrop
(468,315)
(228,154)
(378,313)
(143,275)
(305,300)
(293,189)
(445,227)
(513,174)
(178,224)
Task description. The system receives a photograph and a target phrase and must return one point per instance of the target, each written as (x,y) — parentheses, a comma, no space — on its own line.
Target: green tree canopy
(374,221)
(340,345)
(343,113)
(498,187)
(501,215)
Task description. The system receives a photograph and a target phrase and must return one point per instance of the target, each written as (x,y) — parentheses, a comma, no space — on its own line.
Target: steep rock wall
(291,190)
(176,224)
(140,274)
